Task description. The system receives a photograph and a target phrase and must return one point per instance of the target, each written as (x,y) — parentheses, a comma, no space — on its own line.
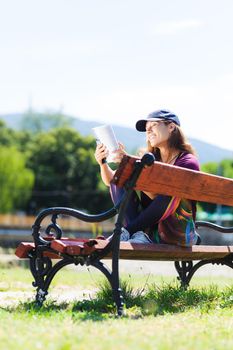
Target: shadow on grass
(156,300)
(169,298)
(31,307)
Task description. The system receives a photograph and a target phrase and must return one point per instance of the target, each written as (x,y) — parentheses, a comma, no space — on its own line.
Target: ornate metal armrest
(214,226)
(54,230)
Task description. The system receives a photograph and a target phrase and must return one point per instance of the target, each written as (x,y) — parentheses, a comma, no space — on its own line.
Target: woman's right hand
(101,153)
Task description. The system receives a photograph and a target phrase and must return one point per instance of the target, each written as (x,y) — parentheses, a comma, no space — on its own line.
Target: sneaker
(125,236)
(140,237)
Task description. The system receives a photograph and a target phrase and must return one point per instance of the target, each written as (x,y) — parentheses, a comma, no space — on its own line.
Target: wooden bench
(50,251)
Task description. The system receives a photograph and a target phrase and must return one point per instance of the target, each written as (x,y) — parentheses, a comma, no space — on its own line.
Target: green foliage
(16,180)
(62,161)
(225,169)
(64,166)
(6,135)
(13,138)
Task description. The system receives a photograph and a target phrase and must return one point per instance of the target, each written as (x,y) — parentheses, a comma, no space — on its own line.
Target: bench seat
(130,251)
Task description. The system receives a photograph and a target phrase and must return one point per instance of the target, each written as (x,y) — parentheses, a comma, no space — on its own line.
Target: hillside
(132,139)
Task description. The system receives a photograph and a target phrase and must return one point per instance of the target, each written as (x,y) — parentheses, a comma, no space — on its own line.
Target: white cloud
(174,27)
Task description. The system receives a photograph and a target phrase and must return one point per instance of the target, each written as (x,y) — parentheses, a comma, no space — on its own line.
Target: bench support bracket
(186,269)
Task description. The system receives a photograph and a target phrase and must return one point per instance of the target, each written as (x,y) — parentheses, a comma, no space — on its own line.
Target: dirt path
(66,294)
(164,268)
(59,295)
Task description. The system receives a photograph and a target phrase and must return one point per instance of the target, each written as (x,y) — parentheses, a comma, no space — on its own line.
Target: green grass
(194,319)
(158,315)
(14,277)
(63,330)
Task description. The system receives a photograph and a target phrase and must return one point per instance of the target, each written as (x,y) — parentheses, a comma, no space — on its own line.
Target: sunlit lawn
(20,278)
(65,330)
(201,318)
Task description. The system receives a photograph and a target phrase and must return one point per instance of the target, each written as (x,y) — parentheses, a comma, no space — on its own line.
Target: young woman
(151,217)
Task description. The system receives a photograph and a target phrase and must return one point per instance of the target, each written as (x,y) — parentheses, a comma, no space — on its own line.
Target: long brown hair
(177,140)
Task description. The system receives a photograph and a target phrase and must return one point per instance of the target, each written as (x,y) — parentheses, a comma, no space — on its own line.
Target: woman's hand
(101,153)
(119,153)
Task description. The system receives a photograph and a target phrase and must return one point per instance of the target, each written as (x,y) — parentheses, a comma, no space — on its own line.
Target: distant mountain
(132,139)
(12,120)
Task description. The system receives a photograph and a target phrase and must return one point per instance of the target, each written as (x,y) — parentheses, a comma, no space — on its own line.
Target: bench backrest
(171,180)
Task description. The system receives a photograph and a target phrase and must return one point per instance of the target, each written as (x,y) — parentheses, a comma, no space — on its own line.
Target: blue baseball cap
(162,114)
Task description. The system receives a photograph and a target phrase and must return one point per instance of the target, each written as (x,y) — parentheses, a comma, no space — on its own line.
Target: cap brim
(141,124)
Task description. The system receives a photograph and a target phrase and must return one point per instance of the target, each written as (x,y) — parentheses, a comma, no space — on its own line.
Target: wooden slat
(24,249)
(166,252)
(71,246)
(61,245)
(171,180)
(133,251)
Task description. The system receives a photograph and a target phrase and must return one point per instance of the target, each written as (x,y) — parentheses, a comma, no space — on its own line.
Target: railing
(10,221)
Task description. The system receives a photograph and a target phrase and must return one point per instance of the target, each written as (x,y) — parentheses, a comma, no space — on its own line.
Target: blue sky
(116,61)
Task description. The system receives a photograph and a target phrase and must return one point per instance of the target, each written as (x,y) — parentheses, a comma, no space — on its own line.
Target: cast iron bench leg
(186,269)
(117,292)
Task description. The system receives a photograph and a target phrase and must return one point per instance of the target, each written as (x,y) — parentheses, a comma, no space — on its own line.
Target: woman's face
(158,133)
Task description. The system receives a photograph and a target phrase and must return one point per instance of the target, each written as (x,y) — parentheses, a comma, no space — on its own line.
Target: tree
(10,137)
(16,181)
(224,168)
(66,173)
(64,168)
(7,135)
